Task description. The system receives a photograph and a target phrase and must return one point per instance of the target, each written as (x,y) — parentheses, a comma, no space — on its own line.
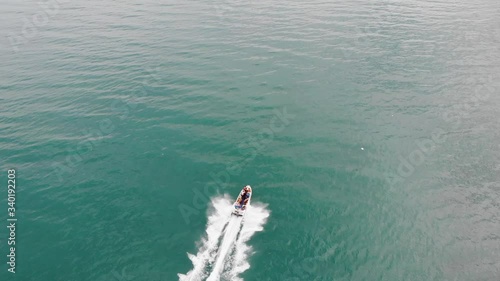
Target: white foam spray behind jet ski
(223,252)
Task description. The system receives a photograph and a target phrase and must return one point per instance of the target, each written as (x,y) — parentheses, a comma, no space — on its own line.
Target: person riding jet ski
(244,196)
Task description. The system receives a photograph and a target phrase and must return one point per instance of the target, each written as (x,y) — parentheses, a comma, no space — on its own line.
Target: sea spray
(218,216)
(224,251)
(228,242)
(254,221)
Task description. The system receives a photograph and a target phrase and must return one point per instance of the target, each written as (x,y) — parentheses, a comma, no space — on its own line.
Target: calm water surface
(382,163)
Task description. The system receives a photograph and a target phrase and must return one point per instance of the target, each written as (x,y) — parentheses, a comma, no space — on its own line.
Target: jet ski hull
(238,212)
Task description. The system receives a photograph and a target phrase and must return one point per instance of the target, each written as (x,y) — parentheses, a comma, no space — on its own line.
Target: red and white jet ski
(243,201)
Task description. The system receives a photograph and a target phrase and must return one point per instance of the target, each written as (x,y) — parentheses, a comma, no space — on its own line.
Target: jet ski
(239,205)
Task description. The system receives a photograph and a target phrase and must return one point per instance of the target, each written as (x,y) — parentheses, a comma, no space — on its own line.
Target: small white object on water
(362,149)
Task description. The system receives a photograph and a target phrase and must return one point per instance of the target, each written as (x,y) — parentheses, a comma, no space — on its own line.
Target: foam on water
(223,252)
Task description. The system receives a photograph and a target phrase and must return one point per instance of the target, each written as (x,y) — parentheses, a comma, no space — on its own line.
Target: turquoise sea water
(367,129)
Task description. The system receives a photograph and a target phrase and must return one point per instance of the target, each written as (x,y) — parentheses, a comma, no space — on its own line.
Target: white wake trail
(227,244)
(223,252)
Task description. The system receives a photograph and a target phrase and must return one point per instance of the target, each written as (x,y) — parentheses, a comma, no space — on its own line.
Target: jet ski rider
(245,196)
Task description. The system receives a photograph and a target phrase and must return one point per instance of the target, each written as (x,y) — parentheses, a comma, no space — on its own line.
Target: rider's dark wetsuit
(244,197)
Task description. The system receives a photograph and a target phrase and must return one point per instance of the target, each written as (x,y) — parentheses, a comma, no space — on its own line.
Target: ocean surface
(369,131)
